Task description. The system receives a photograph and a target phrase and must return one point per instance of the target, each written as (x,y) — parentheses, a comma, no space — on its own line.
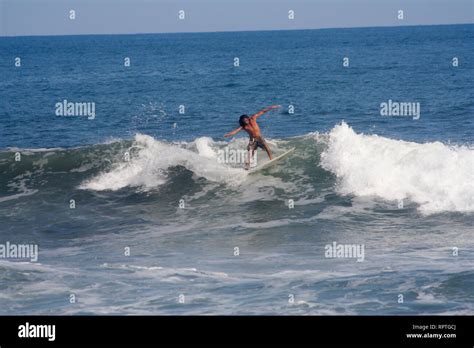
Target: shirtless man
(249,124)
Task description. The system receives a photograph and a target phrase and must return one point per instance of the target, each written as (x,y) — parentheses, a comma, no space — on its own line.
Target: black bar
(287,330)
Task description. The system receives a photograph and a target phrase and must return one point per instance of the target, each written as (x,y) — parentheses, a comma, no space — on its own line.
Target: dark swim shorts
(255,143)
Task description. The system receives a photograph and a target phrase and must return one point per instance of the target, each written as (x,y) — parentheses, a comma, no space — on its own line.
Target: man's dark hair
(241,120)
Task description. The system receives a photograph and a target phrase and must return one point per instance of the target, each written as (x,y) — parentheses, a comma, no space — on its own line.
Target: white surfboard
(269,163)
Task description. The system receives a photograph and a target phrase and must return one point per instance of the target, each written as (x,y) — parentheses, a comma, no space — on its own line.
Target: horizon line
(238,31)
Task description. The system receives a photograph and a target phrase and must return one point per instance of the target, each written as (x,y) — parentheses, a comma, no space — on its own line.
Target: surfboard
(269,163)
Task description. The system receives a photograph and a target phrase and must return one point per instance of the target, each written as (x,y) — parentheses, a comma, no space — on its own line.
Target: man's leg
(249,158)
(267,149)
(251,147)
(250,150)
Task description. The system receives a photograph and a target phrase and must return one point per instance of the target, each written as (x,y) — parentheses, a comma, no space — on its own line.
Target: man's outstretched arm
(260,113)
(234,132)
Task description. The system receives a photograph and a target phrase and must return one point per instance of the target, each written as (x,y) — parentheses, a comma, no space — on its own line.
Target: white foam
(20,186)
(436,176)
(147,167)
(204,148)
(167,273)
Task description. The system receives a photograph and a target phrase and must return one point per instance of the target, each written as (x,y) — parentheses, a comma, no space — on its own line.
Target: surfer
(249,124)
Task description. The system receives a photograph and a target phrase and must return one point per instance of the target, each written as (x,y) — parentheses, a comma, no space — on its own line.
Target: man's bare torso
(253,129)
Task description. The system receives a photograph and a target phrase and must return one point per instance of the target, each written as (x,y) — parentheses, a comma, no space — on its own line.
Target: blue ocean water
(146,178)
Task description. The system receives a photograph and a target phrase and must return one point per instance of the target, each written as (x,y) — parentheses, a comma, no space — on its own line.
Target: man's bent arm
(260,113)
(234,132)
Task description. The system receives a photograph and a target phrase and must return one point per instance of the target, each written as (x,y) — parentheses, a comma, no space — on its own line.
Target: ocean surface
(133,213)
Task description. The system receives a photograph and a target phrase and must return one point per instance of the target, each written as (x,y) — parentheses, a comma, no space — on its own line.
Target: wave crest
(150,159)
(436,176)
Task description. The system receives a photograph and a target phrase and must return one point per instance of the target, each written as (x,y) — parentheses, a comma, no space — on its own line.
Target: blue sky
(51,17)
